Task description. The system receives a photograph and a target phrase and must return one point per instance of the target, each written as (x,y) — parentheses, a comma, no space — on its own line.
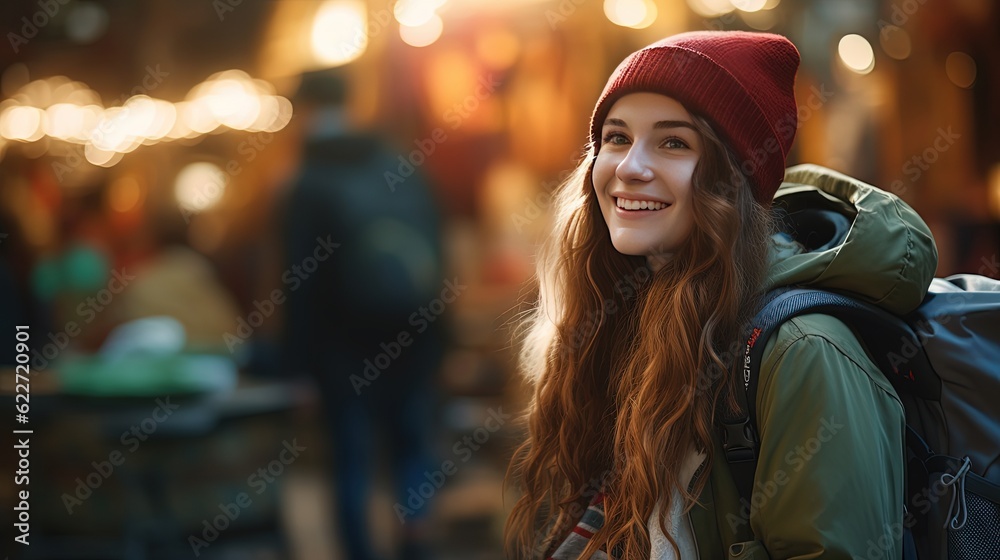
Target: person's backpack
(944,362)
(388,262)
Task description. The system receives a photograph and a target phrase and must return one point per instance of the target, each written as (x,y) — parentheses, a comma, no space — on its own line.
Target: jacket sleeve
(829,481)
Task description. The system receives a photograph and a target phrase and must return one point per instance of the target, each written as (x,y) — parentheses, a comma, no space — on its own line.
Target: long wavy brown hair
(628,367)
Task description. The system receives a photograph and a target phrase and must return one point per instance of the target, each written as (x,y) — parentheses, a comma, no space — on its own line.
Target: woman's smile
(632,205)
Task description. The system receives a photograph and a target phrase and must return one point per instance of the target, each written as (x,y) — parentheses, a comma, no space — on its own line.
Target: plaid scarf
(574,543)
(593,519)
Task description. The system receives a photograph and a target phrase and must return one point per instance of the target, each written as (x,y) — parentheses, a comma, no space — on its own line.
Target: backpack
(389,259)
(943,359)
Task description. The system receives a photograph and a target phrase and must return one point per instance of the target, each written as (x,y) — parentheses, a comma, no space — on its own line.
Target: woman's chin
(632,248)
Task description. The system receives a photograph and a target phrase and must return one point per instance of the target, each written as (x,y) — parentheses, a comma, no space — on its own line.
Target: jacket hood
(838,233)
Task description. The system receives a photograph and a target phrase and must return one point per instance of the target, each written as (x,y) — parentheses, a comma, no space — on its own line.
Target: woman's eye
(674,143)
(615,138)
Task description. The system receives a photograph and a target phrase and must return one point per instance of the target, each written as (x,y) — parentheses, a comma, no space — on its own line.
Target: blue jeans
(399,403)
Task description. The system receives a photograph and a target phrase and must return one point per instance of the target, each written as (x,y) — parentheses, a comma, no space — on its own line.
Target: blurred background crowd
(271,252)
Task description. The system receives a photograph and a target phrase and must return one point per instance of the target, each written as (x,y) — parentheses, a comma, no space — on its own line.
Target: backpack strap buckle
(739,442)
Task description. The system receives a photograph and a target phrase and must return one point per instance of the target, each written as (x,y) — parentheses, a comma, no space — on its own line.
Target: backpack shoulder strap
(887,339)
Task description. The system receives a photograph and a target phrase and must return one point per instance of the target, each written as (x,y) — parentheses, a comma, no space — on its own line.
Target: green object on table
(147,375)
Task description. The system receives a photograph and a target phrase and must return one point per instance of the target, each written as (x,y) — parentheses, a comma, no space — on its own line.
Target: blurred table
(181,456)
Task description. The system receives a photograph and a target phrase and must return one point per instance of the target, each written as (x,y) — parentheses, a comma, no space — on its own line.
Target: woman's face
(643,173)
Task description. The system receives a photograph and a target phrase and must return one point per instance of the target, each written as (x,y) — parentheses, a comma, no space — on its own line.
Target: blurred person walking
(350,321)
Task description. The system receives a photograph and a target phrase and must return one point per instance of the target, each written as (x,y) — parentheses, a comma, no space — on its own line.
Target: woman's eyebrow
(674,124)
(656,125)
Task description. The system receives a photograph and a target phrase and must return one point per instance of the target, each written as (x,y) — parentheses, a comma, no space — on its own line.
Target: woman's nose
(635,166)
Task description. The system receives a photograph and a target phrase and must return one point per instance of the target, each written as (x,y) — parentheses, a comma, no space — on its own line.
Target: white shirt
(677,523)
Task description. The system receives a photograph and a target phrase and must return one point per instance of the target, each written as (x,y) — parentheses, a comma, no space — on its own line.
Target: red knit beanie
(741,82)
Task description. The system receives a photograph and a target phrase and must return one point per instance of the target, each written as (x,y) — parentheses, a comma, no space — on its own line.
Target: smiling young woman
(622,458)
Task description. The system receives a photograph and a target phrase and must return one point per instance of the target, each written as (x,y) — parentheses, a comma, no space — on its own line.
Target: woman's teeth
(640,204)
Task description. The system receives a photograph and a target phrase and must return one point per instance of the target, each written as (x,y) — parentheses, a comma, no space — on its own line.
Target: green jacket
(829,480)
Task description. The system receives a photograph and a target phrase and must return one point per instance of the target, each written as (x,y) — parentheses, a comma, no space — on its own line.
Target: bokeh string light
(69,111)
